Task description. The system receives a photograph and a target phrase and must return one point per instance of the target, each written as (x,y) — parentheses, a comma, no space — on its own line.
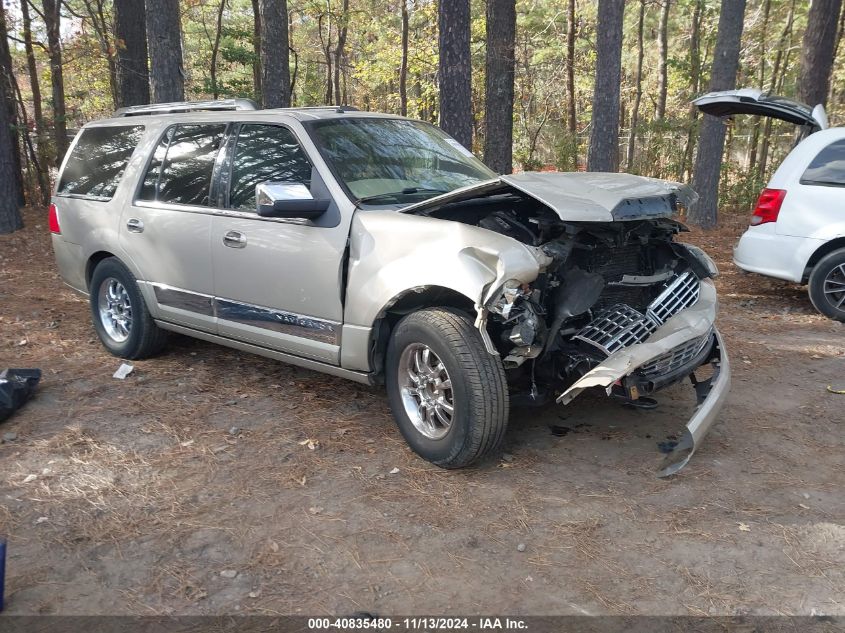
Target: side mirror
(288,200)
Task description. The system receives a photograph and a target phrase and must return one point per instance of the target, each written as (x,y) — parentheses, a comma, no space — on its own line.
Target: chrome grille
(679,295)
(621,325)
(617,327)
(675,358)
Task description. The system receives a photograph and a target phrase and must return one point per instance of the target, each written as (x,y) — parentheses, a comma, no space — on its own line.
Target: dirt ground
(212,481)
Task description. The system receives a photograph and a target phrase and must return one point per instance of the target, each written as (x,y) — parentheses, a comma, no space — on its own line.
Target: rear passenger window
(98,160)
(828,168)
(182,164)
(265,153)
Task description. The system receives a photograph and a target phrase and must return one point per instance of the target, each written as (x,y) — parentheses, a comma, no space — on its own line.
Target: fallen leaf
(30,478)
(311,444)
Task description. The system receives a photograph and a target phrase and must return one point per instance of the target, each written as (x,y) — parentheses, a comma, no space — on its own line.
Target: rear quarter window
(98,160)
(828,167)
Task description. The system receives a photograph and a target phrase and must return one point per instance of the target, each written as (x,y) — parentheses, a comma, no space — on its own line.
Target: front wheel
(827,285)
(448,394)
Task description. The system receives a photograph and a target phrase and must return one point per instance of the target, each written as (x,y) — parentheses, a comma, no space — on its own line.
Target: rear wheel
(827,285)
(120,315)
(448,394)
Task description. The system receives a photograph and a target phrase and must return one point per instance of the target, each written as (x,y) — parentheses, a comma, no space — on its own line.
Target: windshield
(395,161)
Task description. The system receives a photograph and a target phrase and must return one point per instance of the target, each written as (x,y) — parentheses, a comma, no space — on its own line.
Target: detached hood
(579,196)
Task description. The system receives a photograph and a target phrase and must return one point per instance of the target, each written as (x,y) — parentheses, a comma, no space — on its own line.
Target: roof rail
(187,106)
(337,108)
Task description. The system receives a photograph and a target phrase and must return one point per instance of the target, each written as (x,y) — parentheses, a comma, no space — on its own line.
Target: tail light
(54,220)
(768,206)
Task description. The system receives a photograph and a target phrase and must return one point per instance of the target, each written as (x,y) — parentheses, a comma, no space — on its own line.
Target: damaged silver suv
(377,248)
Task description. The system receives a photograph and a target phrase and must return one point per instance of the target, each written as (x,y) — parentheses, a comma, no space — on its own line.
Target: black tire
(827,275)
(144,337)
(479,389)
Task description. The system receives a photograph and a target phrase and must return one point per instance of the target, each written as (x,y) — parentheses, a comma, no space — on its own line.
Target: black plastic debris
(16,387)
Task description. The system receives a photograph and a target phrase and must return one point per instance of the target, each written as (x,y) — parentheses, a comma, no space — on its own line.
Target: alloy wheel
(115,308)
(426,391)
(834,287)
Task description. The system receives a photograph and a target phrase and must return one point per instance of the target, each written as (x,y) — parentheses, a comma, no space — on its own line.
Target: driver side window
(265,153)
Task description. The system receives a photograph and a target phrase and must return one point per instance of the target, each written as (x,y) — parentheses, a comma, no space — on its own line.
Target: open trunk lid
(579,196)
(752,101)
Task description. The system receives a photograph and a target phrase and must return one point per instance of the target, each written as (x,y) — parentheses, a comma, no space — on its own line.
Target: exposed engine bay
(604,286)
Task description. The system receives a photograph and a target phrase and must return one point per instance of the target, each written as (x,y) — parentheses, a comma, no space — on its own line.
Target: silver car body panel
(391,254)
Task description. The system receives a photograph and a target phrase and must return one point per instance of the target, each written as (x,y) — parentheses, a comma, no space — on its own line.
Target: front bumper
(710,394)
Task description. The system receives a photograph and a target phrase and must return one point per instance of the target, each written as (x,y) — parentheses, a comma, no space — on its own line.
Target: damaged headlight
(503,304)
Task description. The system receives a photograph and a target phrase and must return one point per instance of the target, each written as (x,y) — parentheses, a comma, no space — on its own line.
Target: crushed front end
(617,302)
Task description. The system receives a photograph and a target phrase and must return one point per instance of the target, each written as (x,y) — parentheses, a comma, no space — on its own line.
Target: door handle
(234,239)
(134,225)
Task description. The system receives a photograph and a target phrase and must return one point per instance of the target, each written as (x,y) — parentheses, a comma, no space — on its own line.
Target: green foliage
(370,68)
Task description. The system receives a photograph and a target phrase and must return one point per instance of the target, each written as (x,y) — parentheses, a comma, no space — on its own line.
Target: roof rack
(187,106)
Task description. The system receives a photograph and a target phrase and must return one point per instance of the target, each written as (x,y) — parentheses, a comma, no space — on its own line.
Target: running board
(314,365)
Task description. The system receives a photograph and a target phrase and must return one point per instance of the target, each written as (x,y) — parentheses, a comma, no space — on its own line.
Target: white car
(797,230)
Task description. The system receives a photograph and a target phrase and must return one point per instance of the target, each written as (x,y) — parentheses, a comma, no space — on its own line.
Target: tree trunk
(256,47)
(403,67)
(834,89)
(10,194)
(7,76)
(817,51)
(342,32)
(52,20)
(215,50)
(164,40)
(708,162)
(35,87)
(498,111)
(638,94)
(783,45)
(751,164)
(326,46)
(695,85)
(662,60)
(603,154)
(455,70)
(275,61)
(130,34)
(571,121)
